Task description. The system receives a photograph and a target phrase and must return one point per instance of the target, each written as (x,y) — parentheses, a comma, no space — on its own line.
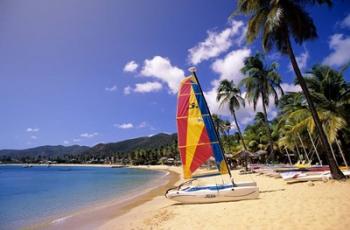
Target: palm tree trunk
(241,137)
(272,153)
(335,171)
(239,130)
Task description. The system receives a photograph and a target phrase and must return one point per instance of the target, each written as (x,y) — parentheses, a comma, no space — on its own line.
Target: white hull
(323,176)
(214,193)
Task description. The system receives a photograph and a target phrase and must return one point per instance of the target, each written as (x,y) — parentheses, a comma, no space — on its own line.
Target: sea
(31,195)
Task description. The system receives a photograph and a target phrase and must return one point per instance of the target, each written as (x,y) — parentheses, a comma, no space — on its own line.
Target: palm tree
(278,21)
(228,93)
(260,82)
(219,124)
(329,90)
(256,134)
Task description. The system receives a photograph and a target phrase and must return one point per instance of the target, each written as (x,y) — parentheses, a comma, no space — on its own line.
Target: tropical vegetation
(261,82)
(277,22)
(293,130)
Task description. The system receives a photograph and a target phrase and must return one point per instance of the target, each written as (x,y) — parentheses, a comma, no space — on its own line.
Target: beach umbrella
(260,152)
(243,154)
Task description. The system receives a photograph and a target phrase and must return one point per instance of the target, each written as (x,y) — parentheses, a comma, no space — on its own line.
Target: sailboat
(197,142)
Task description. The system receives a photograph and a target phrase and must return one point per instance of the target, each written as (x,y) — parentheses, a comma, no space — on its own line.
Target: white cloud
(142,124)
(301,60)
(290,87)
(124,126)
(230,66)
(76,140)
(127,90)
(216,43)
(340,54)
(66,142)
(34,137)
(131,66)
(89,135)
(148,87)
(346,22)
(274,56)
(161,68)
(111,89)
(33,130)
(245,115)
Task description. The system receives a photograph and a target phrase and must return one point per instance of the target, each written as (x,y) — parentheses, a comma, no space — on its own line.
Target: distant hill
(45,151)
(130,145)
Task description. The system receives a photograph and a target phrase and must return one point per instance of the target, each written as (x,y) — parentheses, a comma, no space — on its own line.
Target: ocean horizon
(32,195)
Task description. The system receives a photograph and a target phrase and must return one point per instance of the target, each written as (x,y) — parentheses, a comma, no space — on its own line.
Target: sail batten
(197,140)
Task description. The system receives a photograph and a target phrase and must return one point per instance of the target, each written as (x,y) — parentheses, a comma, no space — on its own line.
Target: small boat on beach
(292,174)
(192,194)
(197,142)
(311,176)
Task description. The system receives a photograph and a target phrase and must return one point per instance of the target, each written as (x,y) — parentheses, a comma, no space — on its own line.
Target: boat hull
(314,176)
(213,194)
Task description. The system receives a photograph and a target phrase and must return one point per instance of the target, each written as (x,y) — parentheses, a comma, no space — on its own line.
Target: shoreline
(98,214)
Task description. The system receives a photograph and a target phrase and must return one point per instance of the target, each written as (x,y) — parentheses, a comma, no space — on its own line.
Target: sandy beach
(318,205)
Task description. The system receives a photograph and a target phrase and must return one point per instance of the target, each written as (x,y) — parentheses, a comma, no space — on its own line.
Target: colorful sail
(197,140)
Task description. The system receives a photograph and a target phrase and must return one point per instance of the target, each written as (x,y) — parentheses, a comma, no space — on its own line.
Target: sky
(91,71)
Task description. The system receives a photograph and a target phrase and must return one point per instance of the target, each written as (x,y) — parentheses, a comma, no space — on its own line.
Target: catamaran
(197,142)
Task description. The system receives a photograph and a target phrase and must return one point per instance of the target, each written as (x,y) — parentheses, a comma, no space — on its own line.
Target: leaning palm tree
(331,94)
(228,93)
(277,21)
(260,82)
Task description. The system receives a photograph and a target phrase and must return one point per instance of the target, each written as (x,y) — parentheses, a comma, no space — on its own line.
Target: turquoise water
(29,195)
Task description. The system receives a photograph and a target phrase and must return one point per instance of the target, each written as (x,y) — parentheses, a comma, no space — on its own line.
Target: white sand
(280,206)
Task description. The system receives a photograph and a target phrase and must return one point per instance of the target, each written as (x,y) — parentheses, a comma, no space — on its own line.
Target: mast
(332,150)
(290,161)
(302,144)
(313,144)
(341,152)
(193,71)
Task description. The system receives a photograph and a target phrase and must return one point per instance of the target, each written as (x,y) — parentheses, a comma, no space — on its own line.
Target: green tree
(329,90)
(256,134)
(277,21)
(330,93)
(228,93)
(220,124)
(261,81)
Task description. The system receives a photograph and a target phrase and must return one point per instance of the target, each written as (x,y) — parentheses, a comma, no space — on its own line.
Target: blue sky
(90,71)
